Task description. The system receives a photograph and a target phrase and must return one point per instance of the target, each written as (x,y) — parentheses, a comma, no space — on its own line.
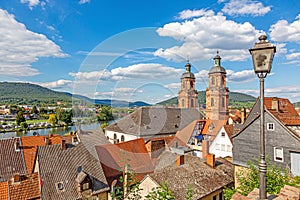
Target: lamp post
(262,57)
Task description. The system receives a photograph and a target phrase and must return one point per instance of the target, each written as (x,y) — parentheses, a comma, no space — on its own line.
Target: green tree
(52,119)
(20,118)
(34,110)
(103,125)
(161,193)
(24,125)
(249,179)
(189,193)
(105,114)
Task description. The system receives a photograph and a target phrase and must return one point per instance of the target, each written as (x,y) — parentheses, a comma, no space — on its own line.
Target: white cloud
(148,71)
(241,76)
(186,14)
(295,55)
(283,31)
(173,85)
(245,7)
(59,84)
(31,3)
(20,47)
(202,36)
(84,1)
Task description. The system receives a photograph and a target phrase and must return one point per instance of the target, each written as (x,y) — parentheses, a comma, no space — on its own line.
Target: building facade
(217,92)
(188,95)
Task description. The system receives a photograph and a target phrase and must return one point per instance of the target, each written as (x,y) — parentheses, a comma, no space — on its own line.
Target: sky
(137,50)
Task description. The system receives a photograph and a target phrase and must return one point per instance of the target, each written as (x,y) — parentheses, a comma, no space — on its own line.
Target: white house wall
(110,136)
(221,145)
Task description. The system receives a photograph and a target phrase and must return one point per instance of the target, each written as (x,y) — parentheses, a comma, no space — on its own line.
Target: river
(46,131)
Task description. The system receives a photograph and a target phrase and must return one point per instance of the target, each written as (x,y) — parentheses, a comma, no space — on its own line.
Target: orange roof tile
(114,157)
(28,188)
(285,111)
(4,190)
(30,144)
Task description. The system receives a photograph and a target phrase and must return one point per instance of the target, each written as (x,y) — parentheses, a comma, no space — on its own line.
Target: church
(216,92)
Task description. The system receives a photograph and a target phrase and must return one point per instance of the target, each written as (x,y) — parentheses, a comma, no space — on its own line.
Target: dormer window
(17,146)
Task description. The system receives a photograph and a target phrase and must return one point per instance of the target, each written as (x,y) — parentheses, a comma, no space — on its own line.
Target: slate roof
(195,173)
(285,113)
(27,188)
(30,144)
(150,121)
(4,190)
(114,157)
(57,165)
(92,138)
(11,161)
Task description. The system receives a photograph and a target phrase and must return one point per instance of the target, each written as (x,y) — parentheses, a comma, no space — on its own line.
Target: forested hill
(27,93)
(234,97)
(31,94)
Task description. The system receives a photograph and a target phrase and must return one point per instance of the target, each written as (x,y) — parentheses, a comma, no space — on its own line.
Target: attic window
(270,126)
(60,186)
(223,134)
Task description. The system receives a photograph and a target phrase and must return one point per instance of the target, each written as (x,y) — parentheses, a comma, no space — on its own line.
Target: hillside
(27,93)
(234,98)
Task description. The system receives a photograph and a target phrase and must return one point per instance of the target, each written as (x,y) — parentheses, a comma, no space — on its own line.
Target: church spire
(217,59)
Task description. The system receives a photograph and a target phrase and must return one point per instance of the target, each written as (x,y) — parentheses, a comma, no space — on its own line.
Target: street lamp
(262,57)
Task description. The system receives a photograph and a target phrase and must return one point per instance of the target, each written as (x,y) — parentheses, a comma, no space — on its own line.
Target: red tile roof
(4,190)
(30,144)
(27,188)
(283,110)
(114,157)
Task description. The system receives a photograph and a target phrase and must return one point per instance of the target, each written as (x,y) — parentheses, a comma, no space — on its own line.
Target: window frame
(271,124)
(275,154)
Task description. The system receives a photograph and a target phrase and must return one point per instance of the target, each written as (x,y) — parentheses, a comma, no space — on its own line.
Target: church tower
(217,92)
(188,95)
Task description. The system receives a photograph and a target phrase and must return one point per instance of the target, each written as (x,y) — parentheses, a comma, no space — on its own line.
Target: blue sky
(137,50)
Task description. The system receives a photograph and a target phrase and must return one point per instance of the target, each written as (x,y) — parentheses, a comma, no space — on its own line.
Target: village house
(70,171)
(150,122)
(282,135)
(208,136)
(206,178)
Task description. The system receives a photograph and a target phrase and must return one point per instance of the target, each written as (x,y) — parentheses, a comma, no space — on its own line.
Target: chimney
(210,160)
(180,160)
(275,104)
(243,117)
(47,141)
(17,146)
(17,178)
(205,148)
(63,145)
(74,140)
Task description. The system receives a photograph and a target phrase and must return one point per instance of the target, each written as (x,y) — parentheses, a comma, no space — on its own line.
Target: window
(215,197)
(228,148)
(122,138)
(85,186)
(60,186)
(223,102)
(183,84)
(115,138)
(223,147)
(270,126)
(223,134)
(221,196)
(212,103)
(213,82)
(182,103)
(278,154)
(192,103)
(217,146)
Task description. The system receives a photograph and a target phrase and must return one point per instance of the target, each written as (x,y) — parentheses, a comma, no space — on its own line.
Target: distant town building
(188,95)
(217,92)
